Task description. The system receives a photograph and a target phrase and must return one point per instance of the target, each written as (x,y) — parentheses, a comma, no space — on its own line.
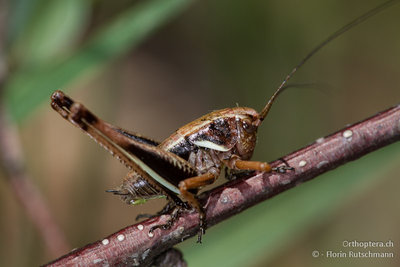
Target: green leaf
(27,89)
(21,13)
(53,27)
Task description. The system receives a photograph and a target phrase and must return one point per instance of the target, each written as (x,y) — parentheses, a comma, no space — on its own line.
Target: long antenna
(333,36)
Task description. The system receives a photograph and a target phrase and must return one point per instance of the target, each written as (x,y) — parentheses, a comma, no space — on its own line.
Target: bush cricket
(194,155)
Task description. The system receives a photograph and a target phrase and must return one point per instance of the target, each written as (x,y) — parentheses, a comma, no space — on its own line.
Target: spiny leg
(135,152)
(177,206)
(123,145)
(194,183)
(174,215)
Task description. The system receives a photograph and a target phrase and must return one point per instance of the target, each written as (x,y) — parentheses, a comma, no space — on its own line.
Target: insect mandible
(190,158)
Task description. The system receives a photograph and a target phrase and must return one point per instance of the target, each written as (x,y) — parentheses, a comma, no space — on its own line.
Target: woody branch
(134,246)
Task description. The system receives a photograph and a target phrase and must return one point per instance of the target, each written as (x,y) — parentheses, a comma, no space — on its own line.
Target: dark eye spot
(247,126)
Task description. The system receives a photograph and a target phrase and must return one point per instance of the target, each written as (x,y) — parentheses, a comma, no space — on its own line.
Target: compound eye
(248,126)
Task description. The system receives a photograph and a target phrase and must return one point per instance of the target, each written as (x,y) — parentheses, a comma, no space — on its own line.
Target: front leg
(235,163)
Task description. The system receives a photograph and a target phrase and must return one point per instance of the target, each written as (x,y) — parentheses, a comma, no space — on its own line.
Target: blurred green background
(153,65)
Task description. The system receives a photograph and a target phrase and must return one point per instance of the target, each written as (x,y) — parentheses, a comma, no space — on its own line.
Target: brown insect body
(191,157)
(215,137)
(208,143)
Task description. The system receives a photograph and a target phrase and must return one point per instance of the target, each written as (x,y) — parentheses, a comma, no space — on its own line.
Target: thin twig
(134,246)
(11,162)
